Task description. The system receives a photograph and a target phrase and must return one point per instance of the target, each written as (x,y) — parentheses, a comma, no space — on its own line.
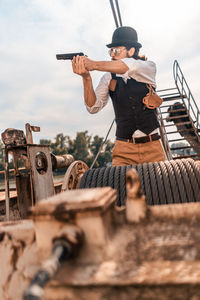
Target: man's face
(120,52)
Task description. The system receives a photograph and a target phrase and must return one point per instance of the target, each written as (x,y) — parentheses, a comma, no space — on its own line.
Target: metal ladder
(180,123)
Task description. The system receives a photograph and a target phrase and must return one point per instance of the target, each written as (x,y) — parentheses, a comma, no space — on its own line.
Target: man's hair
(136,54)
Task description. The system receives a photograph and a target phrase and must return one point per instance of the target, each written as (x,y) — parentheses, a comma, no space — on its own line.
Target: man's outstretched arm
(114,66)
(79,68)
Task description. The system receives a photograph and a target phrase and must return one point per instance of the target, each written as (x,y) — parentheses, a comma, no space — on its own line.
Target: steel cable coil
(195,168)
(195,183)
(179,181)
(89,179)
(94,178)
(117,180)
(101,176)
(186,182)
(154,181)
(106,176)
(175,181)
(111,177)
(160,184)
(121,198)
(147,183)
(167,186)
(139,169)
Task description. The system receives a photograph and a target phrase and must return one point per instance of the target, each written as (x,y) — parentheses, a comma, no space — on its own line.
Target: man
(137,139)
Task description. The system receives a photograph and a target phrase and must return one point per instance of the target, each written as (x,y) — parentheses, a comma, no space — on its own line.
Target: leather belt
(142,139)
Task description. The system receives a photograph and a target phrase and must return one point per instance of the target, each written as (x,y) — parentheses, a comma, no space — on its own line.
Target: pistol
(69,55)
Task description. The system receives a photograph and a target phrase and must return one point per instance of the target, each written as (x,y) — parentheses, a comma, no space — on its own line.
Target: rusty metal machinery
(73,175)
(34,181)
(174,181)
(133,252)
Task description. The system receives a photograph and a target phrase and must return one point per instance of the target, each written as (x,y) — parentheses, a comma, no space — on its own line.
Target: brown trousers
(125,153)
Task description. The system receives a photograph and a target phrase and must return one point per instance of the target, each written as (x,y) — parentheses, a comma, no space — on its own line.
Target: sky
(36,88)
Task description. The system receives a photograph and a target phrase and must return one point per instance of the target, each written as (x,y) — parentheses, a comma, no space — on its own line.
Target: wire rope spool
(174,181)
(153,180)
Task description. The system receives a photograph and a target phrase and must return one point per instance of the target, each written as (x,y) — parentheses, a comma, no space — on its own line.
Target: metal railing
(163,135)
(188,99)
(189,127)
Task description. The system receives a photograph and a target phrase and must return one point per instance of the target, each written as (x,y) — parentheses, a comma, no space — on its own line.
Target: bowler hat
(125,36)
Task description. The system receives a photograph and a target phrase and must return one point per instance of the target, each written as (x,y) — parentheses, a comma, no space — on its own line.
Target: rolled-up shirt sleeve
(102,94)
(140,70)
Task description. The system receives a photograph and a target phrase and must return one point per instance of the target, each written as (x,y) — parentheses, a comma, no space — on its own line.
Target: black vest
(130,112)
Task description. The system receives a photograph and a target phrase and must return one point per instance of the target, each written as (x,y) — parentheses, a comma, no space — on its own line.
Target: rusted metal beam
(12,170)
(29,129)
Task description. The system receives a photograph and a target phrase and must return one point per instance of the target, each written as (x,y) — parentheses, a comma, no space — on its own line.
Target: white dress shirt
(140,70)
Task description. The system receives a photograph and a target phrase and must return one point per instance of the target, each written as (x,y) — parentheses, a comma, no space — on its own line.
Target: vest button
(133,107)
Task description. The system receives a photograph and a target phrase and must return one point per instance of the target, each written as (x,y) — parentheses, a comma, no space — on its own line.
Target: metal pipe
(61,161)
(114,14)
(118,11)
(12,170)
(62,250)
(65,245)
(101,146)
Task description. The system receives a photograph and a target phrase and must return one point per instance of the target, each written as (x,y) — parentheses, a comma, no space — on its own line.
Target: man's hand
(78,66)
(89,64)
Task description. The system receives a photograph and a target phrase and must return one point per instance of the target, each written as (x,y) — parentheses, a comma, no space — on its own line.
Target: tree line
(83,147)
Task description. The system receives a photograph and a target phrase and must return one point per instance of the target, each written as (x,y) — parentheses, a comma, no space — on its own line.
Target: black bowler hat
(125,36)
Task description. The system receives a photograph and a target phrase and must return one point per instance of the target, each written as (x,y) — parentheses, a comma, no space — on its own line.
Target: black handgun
(69,55)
